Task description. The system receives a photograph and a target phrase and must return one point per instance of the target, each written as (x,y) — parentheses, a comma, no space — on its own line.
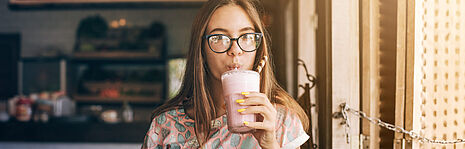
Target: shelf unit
(121,98)
(119,64)
(157,89)
(95,131)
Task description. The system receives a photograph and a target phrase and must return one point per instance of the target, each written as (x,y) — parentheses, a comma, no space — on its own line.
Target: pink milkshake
(234,82)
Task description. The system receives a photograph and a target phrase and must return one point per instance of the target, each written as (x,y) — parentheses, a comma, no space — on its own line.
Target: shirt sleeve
(290,132)
(154,136)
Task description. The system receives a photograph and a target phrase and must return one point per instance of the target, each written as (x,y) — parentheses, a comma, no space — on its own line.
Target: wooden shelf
(141,86)
(73,132)
(121,99)
(116,55)
(101,4)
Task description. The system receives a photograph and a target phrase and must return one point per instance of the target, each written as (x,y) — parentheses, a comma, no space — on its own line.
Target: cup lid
(227,73)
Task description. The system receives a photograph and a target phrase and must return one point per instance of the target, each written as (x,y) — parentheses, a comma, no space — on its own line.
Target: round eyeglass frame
(236,39)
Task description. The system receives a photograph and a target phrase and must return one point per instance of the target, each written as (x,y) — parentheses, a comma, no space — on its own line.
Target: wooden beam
(409,70)
(324,72)
(369,35)
(345,68)
(400,70)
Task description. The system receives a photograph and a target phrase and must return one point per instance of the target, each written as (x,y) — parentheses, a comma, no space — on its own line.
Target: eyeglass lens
(247,42)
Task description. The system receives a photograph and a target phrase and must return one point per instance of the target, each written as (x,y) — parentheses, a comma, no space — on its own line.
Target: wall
(439,84)
(41,29)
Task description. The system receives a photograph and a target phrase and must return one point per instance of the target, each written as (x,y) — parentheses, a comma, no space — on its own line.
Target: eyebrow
(224,30)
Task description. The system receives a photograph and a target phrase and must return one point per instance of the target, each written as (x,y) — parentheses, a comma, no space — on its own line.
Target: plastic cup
(235,82)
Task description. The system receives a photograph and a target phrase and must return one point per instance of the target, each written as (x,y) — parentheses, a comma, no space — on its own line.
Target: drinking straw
(262,64)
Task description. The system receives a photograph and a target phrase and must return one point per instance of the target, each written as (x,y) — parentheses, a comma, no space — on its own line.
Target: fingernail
(245,123)
(240,100)
(240,110)
(245,93)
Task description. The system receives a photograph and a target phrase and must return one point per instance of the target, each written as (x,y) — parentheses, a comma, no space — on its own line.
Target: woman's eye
(223,37)
(249,37)
(214,39)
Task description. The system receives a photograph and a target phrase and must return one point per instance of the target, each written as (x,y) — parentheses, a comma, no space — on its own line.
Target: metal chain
(346,122)
(415,136)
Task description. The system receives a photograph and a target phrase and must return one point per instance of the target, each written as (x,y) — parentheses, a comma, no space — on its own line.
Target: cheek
(250,61)
(209,55)
(214,63)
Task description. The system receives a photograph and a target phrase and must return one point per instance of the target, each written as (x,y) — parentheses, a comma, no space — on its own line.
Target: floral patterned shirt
(174,129)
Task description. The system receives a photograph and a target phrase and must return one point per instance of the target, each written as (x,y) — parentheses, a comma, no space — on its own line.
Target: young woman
(227,34)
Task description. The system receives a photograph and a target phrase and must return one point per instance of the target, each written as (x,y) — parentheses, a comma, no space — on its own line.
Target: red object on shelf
(24,101)
(111,93)
(23,109)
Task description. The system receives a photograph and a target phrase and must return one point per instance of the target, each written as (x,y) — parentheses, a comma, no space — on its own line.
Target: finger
(253,94)
(251,101)
(262,110)
(278,97)
(255,101)
(258,125)
(262,97)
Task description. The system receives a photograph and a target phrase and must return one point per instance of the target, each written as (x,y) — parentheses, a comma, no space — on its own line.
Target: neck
(217,96)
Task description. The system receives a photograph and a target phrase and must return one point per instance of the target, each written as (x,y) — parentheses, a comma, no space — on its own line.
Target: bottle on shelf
(4,117)
(128,114)
(63,106)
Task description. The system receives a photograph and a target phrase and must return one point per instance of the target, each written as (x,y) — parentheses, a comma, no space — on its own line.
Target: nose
(235,49)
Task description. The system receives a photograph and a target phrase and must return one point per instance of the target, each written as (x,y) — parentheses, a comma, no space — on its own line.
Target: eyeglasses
(220,43)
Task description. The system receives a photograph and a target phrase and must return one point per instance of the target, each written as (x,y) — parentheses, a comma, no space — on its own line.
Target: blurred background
(88,73)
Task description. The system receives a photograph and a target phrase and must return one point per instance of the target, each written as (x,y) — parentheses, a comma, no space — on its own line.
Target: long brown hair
(195,86)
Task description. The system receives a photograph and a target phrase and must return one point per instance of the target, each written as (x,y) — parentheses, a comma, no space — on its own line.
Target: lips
(234,66)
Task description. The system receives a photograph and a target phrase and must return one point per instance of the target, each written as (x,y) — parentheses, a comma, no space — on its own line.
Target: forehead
(230,17)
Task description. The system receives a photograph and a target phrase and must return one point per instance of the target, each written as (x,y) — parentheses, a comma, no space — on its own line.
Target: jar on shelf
(43,110)
(23,109)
